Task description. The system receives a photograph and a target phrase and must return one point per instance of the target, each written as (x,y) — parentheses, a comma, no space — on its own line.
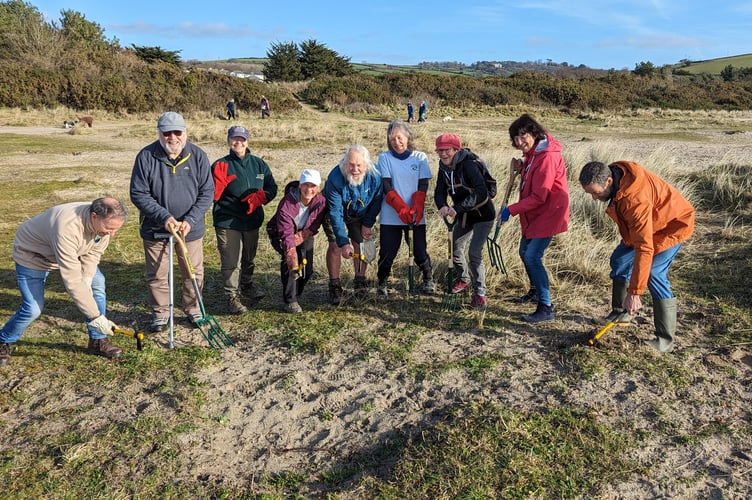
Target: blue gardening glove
(505,214)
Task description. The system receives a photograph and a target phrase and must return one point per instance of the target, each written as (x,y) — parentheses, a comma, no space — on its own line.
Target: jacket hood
(293,189)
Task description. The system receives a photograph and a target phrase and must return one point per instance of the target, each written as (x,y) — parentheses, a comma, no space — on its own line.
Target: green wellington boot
(664,315)
(618,314)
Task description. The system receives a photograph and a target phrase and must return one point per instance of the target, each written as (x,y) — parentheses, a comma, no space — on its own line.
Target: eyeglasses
(443,151)
(176,133)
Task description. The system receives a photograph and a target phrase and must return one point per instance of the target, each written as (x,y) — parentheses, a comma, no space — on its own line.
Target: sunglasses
(176,133)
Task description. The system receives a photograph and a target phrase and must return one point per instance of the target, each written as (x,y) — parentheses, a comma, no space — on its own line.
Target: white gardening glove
(88,280)
(102,325)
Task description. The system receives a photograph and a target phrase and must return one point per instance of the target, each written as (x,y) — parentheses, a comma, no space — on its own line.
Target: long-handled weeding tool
(451,301)
(139,336)
(209,326)
(170,285)
(602,332)
(411,260)
(494,249)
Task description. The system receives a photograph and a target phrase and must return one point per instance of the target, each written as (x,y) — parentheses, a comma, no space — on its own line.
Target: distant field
(711,66)
(715,66)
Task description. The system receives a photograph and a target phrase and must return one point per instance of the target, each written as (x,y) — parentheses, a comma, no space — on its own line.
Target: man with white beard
(353,196)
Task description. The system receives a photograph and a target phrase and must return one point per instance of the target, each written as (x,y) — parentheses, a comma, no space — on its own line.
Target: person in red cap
(543,207)
(243,184)
(461,179)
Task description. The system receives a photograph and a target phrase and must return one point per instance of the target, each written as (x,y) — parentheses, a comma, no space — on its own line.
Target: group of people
(173,185)
(422,111)
(264,105)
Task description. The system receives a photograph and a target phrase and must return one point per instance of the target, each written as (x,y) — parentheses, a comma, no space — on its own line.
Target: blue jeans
(622,262)
(31,285)
(531,253)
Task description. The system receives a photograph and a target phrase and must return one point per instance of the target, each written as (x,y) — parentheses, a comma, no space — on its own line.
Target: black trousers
(390,242)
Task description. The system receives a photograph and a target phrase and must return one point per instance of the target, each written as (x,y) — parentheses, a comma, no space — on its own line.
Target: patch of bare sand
(281,412)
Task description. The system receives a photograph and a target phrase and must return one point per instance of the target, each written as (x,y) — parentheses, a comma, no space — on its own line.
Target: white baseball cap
(310,175)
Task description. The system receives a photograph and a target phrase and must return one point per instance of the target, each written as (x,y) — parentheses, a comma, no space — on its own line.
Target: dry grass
(162,422)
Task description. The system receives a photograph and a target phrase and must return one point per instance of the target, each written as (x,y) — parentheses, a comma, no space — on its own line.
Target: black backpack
(490,181)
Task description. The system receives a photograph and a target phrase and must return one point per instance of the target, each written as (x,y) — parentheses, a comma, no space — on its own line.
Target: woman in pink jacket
(543,207)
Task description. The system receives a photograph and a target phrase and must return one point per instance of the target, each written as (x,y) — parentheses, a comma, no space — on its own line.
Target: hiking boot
(335,291)
(542,313)
(250,291)
(478,301)
(103,347)
(361,286)
(459,286)
(383,289)
(5,350)
(159,324)
(293,308)
(235,306)
(194,318)
(530,296)
(427,287)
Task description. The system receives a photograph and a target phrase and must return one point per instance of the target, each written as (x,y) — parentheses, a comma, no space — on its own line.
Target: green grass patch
(486,451)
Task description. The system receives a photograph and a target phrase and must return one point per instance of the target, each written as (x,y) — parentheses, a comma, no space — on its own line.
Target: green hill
(715,66)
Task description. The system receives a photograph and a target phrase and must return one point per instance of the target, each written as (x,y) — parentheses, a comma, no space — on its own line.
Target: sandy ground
(284,412)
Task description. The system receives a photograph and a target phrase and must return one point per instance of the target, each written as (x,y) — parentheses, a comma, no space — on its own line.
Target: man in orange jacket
(654,220)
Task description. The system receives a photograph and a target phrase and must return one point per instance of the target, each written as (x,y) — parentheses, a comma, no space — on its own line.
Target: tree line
(70,62)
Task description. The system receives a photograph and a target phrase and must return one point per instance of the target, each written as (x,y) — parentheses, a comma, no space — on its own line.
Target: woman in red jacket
(543,207)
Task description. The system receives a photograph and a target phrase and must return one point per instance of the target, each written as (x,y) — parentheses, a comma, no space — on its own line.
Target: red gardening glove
(291,258)
(419,205)
(406,214)
(221,179)
(255,200)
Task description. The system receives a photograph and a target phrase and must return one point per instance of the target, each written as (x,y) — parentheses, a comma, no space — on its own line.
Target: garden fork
(494,250)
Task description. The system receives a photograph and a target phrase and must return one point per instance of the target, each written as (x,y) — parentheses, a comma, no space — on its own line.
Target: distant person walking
(266,108)
(410,112)
(231,109)
(422,111)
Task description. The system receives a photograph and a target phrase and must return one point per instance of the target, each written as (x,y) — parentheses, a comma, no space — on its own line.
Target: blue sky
(600,34)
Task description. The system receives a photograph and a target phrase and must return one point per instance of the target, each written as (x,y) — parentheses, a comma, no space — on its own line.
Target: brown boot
(235,306)
(335,291)
(103,347)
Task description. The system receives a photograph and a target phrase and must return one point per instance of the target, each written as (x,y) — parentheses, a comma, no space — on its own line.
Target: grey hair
(595,172)
(109,208)
(357,148)
(399,125)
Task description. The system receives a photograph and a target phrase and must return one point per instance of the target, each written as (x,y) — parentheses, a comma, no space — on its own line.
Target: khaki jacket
(63,238)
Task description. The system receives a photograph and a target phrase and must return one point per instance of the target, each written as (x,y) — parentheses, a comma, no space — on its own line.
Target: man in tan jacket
(70,238)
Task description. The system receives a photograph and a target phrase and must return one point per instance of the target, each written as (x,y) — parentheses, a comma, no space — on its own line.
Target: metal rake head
(213,332)
(450,302)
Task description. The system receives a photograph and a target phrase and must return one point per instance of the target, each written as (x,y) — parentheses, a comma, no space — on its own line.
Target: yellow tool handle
(603,331)
(139,336)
